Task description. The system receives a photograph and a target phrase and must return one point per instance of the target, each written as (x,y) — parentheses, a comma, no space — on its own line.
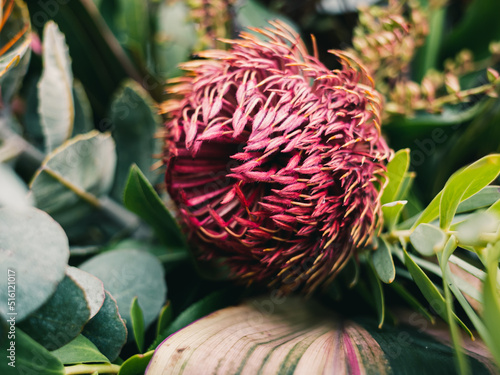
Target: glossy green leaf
(55,89)
(164,318)
(30,357)
(391,212)
(486,197)
(107,330)
(383,262)
(300,337)
(137,319)
(61,318)
(396,171)
(91,285)
(492,300)
(72,177)
(136,365)
(131,106)
(429,290)
(428,239)
(130,273)
(207,305)
(465,183)
(34,253)
(141,198)
(79,350)
(13,190)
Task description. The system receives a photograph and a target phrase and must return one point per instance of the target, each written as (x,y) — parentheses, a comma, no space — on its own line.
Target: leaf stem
(81,369)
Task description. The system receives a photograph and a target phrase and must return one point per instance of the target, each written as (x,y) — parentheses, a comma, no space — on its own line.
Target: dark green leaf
(378,295)
(142,199)
(61,318)
(132,22)
(164,318)
(35,249)
(107,330)
(92,286)
(130,273)
(396,171)
(412,301)
(29,357)
(428,239)
(80,350)
(137,319)
(131,106)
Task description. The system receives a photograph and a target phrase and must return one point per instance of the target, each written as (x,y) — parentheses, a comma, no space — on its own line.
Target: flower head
(275,161)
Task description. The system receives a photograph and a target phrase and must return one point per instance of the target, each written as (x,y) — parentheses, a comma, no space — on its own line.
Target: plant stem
(107,368)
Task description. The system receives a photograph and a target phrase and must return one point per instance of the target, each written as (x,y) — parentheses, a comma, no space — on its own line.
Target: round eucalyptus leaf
(61,318)
(130,273)
(107,330)
(34,253)
(91,285)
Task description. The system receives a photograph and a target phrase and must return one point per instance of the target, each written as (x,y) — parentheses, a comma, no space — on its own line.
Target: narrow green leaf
(34,253)
(141,198)
(136,365)
(137,319)
(461,361)
(164,318)
(465,183)
(429,290)
(486,197)
(396,170)
(391,212)
(428,239)
(412,301)
(55,89)
(492,300)
(383,262)
(377,294)
(80,350)
(28,357)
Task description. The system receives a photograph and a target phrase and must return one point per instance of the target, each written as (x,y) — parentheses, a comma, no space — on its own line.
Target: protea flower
(275,161)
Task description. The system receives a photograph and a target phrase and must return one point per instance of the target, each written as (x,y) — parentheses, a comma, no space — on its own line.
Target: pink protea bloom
(275,161)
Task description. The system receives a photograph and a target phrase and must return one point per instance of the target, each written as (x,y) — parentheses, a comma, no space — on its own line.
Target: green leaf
(132,105)
(74,176)
(396,171)
(13,190)
(428,239)
(391,212)
(132,21)
(412,301)
(164,318)
(130,273)
(491,303)
(91,285)
(430,292)
(79,350)
(197,310)
(107,330)
(465,183)
(34,253)
(252,13)
(478,229)
(61,318)
(136,365)
(29,358)
(140,198)
(55,89)
(84,117)
(137,319)
(486,197)
(377,294)
(383,262)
